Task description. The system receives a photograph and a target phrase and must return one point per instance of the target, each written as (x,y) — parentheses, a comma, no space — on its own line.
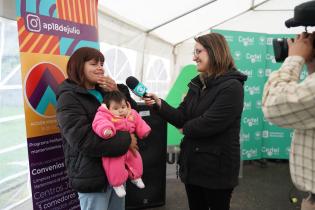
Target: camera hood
(304,15)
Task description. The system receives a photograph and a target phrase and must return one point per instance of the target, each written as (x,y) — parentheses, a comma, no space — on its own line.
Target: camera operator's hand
(302,46)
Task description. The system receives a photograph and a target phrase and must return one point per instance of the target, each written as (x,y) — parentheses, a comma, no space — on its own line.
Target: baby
(115,114)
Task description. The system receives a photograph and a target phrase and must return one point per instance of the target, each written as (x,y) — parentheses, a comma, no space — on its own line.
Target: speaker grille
(153,153)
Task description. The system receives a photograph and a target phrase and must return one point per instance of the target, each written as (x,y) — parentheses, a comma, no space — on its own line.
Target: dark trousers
(200,198)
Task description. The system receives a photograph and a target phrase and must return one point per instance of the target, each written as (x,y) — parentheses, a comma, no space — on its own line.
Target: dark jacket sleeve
(172,115)
(76,128)
(124,89)
(225,109)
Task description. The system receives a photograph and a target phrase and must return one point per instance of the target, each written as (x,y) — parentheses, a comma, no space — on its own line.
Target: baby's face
(118,109)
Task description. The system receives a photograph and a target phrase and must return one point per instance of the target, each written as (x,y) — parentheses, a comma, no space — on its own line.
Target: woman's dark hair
(115,96)
(75,65)
(220,58)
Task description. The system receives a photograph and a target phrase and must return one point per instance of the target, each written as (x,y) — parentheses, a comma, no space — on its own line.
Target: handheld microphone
(136,87)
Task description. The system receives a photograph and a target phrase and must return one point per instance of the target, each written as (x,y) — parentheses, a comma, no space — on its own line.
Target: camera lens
(280,48)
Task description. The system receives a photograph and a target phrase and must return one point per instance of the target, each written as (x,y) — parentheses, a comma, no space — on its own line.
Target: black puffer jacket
(210,118)
(83,149)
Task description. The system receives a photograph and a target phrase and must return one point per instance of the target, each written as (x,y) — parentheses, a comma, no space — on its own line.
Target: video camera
(304,15)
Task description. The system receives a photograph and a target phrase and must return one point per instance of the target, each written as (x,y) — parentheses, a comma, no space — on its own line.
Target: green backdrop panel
(253,55)
(175,97)
(249,52)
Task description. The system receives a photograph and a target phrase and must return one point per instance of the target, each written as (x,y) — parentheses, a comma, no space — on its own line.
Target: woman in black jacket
(78,98)
(209,117)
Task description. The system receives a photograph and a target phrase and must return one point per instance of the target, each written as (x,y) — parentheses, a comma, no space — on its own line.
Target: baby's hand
(146,134)
(108,133)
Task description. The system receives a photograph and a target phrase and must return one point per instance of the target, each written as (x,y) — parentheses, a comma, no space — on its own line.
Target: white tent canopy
(178,20)
(153,40)
(166,28)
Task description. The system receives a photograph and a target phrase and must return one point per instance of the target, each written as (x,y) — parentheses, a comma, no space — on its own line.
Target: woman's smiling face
(93,70)
(201,57)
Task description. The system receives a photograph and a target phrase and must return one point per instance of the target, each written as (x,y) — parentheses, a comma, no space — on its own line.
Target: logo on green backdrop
(252,90)
(251,153)
(262,40)
(269,41)
(247,105)
(248,72)
(229,38)
(270,58)
(246,41)
(258,135)
(244,137)
(271,151)
(254,58)
(237,55)
(251,121)
(273,134)
(260,72)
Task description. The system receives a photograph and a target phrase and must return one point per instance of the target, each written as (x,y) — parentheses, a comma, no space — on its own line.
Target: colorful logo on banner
(41,86)
(57,27)
(49,32)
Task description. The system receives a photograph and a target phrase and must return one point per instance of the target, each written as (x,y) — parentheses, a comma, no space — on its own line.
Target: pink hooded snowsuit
(118,169)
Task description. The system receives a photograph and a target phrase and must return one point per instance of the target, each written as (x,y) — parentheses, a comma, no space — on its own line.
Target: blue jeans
(101,201)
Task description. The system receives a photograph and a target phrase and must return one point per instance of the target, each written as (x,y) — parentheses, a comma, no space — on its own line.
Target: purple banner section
(52,26)
(49,180)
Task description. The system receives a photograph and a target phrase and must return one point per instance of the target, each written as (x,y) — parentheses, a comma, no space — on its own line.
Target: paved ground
(262,187)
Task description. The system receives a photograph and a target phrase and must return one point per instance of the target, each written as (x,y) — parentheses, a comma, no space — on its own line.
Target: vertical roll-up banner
(49,32)
(253,55)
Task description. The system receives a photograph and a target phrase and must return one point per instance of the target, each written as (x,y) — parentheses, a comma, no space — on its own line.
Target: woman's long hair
(220,58)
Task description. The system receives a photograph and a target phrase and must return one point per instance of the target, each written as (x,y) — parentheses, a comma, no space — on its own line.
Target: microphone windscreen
(132,82)
(136,87)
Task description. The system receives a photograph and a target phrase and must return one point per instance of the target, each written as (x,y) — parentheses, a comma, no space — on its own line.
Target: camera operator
(289,102)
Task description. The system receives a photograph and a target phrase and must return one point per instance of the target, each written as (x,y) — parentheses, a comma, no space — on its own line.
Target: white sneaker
(120,191)
(138,182)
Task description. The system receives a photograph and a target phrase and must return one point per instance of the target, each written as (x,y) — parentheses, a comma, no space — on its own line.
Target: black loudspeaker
(153,153)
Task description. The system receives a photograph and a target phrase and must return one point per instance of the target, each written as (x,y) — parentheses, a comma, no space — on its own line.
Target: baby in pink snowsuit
(116,114)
